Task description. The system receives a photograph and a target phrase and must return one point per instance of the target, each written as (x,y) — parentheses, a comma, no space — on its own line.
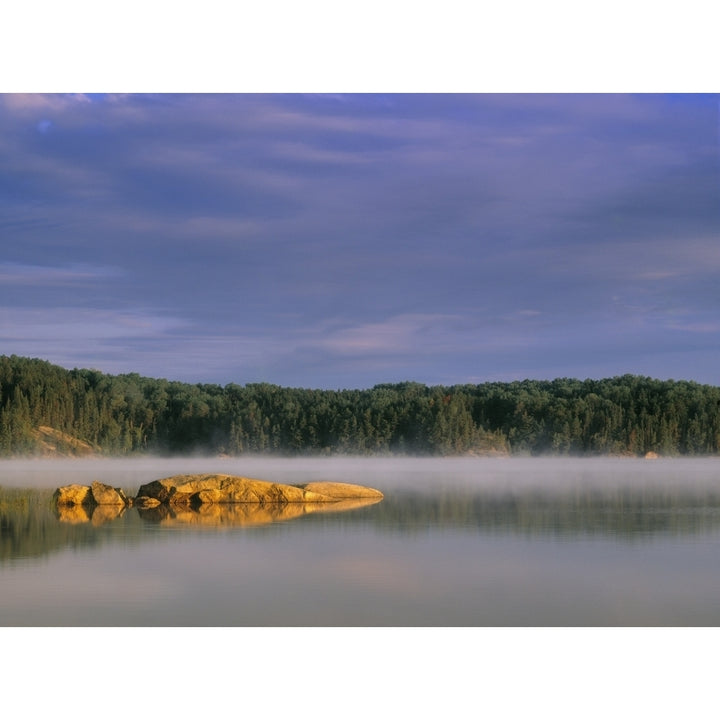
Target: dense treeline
(125,414)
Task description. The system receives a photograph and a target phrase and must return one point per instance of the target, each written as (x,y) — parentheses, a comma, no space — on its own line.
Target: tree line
(128,414)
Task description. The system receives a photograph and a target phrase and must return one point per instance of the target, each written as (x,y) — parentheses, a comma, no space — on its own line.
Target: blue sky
(337,241)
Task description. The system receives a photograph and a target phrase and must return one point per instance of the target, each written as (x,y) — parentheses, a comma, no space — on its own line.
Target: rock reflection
(73,514)
(244,514)
(106,513)
(98,515)
(31,527)
(214,515)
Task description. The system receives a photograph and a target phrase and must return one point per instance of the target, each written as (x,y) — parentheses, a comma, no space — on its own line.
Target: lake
(462,542)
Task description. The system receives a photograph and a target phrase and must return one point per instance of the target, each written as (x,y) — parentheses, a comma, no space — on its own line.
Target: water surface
(457,542)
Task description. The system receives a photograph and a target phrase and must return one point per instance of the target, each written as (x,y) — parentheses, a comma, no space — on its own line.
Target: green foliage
(127,414)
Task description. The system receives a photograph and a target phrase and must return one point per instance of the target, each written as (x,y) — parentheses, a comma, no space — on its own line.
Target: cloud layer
(333,241)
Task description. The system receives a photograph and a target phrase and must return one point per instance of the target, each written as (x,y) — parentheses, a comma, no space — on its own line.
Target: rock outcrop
(50,442)
(342,491)
(210,500)
(196,490)
(143,502)
(96,494)
(106,495)
(74,495)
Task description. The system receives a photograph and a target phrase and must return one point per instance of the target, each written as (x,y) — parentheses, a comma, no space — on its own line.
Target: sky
(344,240)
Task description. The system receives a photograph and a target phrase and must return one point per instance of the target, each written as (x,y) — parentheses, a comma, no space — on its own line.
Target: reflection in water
(74,514)
(585,548)
(106,513)
(97,515)
(218,515)
(31,526)
(620,513)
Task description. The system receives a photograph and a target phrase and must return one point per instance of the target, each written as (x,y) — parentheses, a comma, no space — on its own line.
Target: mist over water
(388,474)
(454,541)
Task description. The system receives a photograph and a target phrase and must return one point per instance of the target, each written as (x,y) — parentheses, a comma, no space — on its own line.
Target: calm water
(462,542)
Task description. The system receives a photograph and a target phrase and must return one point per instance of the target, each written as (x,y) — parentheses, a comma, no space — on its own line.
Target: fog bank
(387,474)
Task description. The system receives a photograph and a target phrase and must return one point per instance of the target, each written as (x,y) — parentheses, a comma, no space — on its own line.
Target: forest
(45,408)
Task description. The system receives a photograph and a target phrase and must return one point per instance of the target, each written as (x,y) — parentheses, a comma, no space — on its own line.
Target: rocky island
(215,498)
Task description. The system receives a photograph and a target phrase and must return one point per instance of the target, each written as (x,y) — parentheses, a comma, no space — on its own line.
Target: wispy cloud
(41,275)
(402,334)
(33,103)
(73,324)
(112,341)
